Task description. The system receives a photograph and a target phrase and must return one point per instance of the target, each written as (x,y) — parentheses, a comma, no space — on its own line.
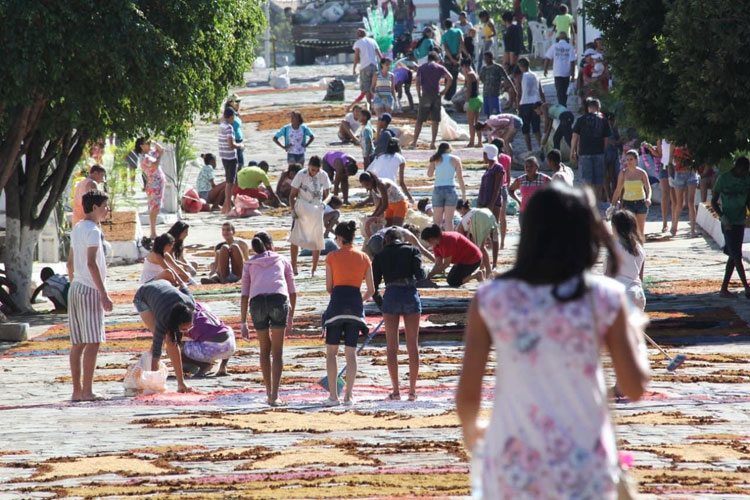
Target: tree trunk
(20,242)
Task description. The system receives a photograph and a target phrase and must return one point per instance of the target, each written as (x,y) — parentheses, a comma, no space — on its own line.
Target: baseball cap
(233,98)
(490,150)
(385,117)
(588,52)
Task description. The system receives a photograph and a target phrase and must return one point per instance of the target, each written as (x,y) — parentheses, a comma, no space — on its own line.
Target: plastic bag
(244,206)
(191,202)
(140,379)
(449,129)
(308,228)
(259,63)
(370,225)
(279,79)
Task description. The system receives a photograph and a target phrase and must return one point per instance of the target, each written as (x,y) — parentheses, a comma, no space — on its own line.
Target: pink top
(505,161)
(267,273)
(80,190)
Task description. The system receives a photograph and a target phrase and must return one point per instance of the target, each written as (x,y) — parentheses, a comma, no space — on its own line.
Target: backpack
(335,91)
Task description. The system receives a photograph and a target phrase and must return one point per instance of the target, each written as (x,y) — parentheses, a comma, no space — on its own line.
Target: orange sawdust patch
(55,469)
(694,379)
(173,448)
(698,452)
(683,287)
(299,457)
(323,421)
(97,378)
(719,437)
(665,418)
(702,480)
(276,234)
(719,358)
(362,485)
(277,118)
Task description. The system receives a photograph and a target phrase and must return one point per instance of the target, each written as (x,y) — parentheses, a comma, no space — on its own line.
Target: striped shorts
(85,314)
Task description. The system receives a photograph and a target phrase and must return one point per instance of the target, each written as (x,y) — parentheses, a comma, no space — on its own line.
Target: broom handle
(367,341)
(657,346)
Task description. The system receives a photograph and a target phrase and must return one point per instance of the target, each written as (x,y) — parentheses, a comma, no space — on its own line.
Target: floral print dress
(154,180)
(550,435)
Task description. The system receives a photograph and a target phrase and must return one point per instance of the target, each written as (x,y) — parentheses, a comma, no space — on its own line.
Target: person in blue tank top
(446,168)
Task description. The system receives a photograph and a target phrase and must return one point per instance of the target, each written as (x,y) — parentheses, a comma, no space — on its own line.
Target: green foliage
(496,9)
(183,153)
(681,69)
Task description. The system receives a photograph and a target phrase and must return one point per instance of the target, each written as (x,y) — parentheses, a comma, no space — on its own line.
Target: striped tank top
(383,84)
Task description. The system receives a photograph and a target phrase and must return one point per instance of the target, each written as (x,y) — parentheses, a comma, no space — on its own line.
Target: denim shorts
(269,311)
(592,169)
(401,299)
(382,101)
(295,158)
(638,207)
(663,173)
(347,330)
(444,196)
(139,304)
(683,179)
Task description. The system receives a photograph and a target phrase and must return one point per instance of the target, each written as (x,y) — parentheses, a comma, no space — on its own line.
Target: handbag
(627,487)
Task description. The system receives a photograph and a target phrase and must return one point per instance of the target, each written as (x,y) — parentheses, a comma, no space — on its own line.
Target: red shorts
(257,193)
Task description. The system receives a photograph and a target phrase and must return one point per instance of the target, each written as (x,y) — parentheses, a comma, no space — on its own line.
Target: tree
(80,69)
(681,69)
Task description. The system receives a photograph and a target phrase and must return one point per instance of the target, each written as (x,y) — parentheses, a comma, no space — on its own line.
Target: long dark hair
(561,236)
(261,242)
(161,242)
(441,150)
(181,313)
(138,144)
(176,230)
(626,228)
(424,36)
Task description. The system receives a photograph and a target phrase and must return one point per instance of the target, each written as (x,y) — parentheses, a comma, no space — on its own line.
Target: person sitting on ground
(425,207)
(207,188)
(630,255)
(561,172)
(157,267)
(453,248)
(344,318)
(409,233)
(392,165)
(208,341)
(400,266)
(269,292)
(284,185)
(229,256)
(249,180)
(349,126)
(167,312)
(504,126)
(331,214)
(55,287)
(339,167)
(480,226)
(176,256)
(94,180)
(390,200)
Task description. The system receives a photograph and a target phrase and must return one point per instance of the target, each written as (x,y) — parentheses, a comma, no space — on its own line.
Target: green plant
(183,153)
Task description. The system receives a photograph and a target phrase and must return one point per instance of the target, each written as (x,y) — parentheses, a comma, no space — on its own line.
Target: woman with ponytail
(548,318)
(344,319)
(446,168)
(269,290)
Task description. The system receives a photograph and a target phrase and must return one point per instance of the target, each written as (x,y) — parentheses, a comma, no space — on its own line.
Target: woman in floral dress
(550,435)
(149,157)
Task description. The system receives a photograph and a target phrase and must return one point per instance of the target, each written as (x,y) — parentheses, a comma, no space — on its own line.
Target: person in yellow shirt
(565,23)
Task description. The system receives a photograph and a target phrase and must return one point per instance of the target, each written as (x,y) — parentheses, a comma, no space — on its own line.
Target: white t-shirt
(630,265)
(565,174)
(353,123)
(394,192)
(665,150)
(85,235)
(562,54)
(530,88)
(296,141)
(386,166)
(464,28)
(368,52)
(311,188)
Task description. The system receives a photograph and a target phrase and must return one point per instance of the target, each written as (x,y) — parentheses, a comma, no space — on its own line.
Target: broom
(675,362)
(340,383)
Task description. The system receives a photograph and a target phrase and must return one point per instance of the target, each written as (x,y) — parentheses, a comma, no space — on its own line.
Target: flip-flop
(393,397)
(412,396)
(277,404)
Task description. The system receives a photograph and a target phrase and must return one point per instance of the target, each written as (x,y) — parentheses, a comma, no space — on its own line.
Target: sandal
(412,396)
(394,396)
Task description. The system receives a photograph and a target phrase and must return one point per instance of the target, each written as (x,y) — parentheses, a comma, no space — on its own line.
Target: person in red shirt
(453,248)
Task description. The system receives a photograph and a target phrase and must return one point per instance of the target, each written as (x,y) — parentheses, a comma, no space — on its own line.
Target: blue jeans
(592,169)
(444,196)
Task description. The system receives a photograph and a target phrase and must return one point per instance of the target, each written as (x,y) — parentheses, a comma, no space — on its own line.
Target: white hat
(598,70)
(588,52)
(490,150)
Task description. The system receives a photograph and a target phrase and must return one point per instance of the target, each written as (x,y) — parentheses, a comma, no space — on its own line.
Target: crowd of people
(551,284)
